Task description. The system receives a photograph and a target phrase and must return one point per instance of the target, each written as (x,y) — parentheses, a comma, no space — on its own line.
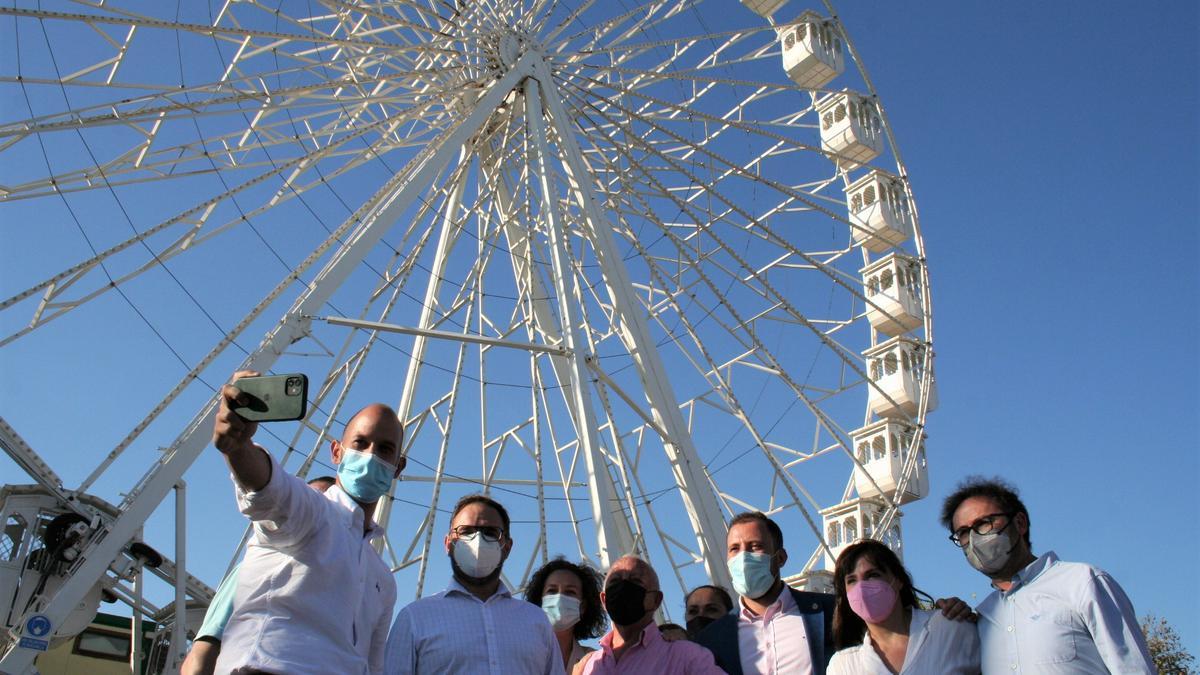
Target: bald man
(312,594)
(631,595)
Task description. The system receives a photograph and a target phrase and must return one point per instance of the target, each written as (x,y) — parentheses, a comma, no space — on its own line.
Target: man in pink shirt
(631,595)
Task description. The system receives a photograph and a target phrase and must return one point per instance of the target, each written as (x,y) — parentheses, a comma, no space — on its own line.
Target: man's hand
(234,437)
(956,610)
(232,433)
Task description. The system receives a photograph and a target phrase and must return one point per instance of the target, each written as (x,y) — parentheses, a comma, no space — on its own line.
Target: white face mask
(476,556)
(562,610)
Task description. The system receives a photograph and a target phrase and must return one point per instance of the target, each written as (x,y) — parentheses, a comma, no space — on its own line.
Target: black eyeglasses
(985,525)
(468,532)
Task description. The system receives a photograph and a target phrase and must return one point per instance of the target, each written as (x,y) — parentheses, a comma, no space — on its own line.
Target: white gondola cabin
(851,129)
(882,449)
(897,369)
(880,212)
(763,8)
(812,50)
(892,288)
(853,521)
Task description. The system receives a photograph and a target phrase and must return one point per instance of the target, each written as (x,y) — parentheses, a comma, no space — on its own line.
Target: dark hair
(592,619)
(995,489)
(670,626)
(723,594)
(322,479)
(479,498)
(848,627)
(760,517)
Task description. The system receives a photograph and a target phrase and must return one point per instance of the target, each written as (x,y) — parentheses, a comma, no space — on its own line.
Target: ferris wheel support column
(690,475)
(614,536)
(543,316)
(447,238)
(151,489)
(179,633)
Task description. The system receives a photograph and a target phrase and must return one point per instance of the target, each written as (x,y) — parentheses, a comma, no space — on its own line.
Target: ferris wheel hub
(504,48)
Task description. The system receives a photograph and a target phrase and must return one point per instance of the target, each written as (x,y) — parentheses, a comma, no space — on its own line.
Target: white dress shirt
(936,646)
(776,642)
(312,595)
(456,632)
(1061,618)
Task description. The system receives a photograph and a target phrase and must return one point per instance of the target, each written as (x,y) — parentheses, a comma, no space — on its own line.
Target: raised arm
(234,436)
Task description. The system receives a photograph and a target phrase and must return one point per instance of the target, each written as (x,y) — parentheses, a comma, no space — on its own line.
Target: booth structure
(880,213)
(882,450)
(851,129)
(892,291)
(896,368)
(763,8)
(812,50)
(853,521)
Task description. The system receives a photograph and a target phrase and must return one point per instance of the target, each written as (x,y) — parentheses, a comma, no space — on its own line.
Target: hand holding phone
(272,398)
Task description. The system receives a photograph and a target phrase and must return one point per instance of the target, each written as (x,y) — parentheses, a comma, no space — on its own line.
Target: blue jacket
(817,610)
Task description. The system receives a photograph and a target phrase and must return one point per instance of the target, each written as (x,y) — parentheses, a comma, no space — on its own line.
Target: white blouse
(935,645)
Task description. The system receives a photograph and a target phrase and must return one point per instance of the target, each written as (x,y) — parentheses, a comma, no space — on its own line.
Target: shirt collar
(650,635)
(335,493)
(456,587)
(784,604)
(1033,570)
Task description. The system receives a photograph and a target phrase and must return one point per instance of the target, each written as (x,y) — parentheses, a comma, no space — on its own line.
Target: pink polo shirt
(775,642)
(652,654)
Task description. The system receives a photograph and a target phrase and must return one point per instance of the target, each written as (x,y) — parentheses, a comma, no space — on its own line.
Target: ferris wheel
(631,267)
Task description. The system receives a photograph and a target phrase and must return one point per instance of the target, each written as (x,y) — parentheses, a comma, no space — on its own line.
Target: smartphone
(274,398)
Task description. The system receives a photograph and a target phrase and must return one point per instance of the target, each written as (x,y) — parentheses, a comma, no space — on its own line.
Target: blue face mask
(562,610)
(752,575)
(365,477)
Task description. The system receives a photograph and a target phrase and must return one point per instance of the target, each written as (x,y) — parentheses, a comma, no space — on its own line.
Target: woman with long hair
(570,596)
(878,627)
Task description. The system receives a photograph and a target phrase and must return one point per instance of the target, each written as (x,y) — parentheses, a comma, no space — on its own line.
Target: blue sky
(1053,153)
(1060,209)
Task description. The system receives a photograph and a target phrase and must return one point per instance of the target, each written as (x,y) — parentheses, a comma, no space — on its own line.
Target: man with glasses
(475,625)
(312,595)
(1046,615)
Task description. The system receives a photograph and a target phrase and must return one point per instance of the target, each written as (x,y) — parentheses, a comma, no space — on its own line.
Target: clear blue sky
(1053,152)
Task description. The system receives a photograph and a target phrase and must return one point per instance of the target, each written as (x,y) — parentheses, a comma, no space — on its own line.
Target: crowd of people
(313,596)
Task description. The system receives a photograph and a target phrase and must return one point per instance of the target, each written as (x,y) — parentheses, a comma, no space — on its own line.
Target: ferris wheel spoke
(226,32)
(54,304)
(650,14)
(759,348)
(734,170)
(709,188)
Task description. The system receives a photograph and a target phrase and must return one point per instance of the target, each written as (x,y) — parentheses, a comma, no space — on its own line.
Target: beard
(469,580)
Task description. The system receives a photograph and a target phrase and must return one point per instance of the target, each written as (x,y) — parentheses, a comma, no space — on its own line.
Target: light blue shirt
(454,632)
(1061,618)
(221,607)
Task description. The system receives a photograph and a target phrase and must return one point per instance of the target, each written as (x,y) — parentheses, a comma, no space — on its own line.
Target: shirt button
(1013,666)
(1010,629)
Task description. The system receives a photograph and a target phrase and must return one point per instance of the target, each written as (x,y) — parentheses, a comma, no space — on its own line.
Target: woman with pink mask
(878,627)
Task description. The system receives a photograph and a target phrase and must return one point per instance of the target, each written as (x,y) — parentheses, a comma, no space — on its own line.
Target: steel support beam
(613,534)
(690,474)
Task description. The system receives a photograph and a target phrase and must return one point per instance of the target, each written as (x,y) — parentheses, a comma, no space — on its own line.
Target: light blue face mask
(365,477)
(562,610)
(752,575)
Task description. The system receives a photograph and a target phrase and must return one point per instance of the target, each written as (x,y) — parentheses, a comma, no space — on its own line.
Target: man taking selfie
(312,595)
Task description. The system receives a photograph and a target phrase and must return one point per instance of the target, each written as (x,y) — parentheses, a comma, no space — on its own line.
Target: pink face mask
(872,599)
